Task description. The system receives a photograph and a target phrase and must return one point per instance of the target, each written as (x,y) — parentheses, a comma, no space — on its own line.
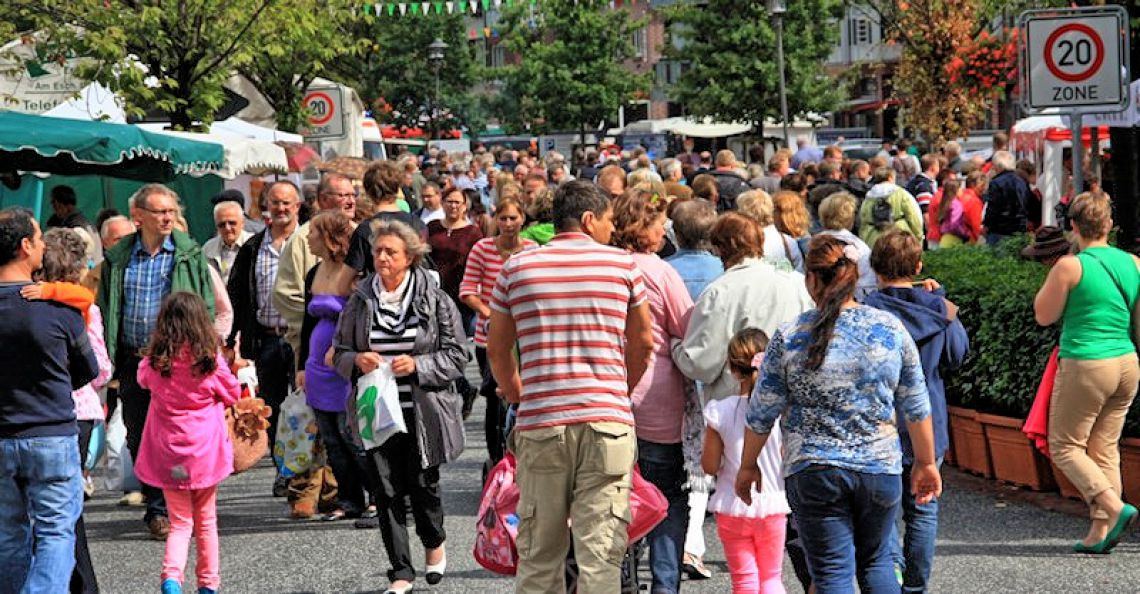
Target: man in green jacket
(138,272)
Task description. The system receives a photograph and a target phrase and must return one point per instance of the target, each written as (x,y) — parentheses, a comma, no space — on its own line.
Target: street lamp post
(435,57)
(777,8)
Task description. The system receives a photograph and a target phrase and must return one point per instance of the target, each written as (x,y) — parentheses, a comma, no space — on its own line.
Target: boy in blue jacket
(932,321)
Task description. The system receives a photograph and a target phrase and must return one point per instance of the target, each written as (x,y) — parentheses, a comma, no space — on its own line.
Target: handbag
(248,423)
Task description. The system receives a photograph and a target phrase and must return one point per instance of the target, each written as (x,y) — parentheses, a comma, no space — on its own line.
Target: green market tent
(76,147)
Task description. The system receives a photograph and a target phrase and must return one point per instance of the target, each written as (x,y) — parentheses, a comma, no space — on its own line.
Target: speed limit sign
(325,107)
(1075,58)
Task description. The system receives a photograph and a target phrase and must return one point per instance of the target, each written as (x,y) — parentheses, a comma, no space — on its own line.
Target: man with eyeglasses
(221,250)
(138,272)
(335,191)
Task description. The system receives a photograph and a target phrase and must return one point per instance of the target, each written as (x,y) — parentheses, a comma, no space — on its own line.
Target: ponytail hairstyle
(950,189)
(833,264)
(745,351)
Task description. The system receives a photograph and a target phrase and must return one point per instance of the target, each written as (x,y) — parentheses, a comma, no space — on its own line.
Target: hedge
(994,290)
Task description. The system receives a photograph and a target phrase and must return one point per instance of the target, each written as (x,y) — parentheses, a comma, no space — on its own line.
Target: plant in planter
(994,293)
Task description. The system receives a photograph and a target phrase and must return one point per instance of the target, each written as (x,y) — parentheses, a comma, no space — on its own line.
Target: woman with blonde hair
(779,249)
(791,217)
(1094,295)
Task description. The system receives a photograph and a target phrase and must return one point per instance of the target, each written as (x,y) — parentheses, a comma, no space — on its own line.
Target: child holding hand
(752,535)
(186,448)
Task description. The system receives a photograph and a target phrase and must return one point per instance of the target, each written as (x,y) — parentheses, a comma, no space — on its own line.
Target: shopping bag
(97,446)
(498,526)
(296,435)
(378,412)
(647,507)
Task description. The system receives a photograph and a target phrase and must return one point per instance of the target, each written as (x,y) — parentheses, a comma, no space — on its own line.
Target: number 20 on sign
(1075,58)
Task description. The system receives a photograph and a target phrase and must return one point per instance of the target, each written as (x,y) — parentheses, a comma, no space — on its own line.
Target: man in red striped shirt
(578,311)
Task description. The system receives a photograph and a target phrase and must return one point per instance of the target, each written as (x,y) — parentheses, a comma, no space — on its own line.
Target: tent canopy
(75,147)
(242,155)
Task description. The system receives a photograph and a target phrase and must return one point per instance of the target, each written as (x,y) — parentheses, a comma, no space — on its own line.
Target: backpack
(955,224)
(882,214)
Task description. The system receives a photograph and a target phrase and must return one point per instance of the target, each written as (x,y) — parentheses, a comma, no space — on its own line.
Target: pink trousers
(193,512)
(754,549)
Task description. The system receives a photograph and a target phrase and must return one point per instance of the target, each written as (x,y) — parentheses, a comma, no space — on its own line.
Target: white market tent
(243,155)
(235,127)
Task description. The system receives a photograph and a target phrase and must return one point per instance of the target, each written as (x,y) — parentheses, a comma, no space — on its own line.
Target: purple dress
(325,389)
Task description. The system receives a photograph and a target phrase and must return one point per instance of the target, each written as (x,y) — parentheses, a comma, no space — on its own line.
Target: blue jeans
(916,556)
(846,519)
(41,498)
(664,466)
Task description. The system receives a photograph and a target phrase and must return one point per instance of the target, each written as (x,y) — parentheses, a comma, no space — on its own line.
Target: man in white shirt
(222,248)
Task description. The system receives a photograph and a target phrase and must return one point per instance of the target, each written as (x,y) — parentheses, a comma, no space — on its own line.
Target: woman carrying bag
(399,317)
(1094,295)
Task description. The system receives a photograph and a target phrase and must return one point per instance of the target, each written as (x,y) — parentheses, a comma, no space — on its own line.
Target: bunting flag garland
(425,7)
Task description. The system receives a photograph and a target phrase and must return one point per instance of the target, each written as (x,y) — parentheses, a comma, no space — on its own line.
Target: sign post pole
(1078,153)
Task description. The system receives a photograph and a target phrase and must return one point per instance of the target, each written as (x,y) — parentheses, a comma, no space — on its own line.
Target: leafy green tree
(733,73)
(173,55)
(305,39)
(570,75)
(394,76)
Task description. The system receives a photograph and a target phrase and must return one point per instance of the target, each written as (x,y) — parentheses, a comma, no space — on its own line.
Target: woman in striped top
(400,317)
(483,265)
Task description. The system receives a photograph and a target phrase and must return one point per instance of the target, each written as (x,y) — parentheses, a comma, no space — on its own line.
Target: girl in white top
(753,535)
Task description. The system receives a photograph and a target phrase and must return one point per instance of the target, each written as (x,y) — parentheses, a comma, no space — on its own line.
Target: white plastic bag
(378,412)
(296,435)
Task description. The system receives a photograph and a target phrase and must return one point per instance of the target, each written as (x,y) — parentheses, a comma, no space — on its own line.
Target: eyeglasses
(167,212)
(451,203)
(343,195)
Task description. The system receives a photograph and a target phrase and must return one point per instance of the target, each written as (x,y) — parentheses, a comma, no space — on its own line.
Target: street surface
(988,542)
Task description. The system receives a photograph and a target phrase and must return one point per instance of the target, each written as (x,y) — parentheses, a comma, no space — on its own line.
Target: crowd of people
(754,339)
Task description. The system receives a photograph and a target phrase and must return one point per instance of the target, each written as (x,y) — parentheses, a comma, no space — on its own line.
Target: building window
(498,56)
(862,29)
(641,44)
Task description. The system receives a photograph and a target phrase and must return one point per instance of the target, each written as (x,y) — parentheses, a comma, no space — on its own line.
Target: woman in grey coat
(400,317)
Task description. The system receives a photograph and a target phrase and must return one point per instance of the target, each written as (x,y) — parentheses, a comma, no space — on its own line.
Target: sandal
(334,515)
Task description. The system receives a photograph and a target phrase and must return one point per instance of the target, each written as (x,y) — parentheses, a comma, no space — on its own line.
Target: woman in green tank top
(1094,295)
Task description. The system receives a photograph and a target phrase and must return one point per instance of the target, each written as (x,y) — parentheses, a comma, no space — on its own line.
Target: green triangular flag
(486,3)
(438,7)
(367,9)
(415,7)
(391,9)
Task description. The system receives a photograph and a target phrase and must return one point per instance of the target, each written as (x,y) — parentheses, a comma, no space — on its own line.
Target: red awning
(873,106)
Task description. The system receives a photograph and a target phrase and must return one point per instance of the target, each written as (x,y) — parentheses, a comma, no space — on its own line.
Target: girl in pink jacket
(186,449)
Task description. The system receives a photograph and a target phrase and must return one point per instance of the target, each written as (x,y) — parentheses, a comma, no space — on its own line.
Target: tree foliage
(733,72)
(308,37)
(172,55)
(570,76)
(393,74)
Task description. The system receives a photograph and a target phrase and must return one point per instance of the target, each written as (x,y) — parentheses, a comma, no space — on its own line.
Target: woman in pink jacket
(186,449)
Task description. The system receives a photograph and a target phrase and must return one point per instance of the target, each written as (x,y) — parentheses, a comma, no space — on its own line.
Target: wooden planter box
(970,449)
(1013,456)
(1130,468)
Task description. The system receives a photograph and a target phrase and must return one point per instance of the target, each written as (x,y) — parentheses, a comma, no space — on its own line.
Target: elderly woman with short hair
(750,294)
(780,249)
(659,398)
(399,317)
(837,216)
(693,220)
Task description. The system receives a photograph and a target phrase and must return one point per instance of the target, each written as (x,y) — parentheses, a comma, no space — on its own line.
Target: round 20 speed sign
(1074,58)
